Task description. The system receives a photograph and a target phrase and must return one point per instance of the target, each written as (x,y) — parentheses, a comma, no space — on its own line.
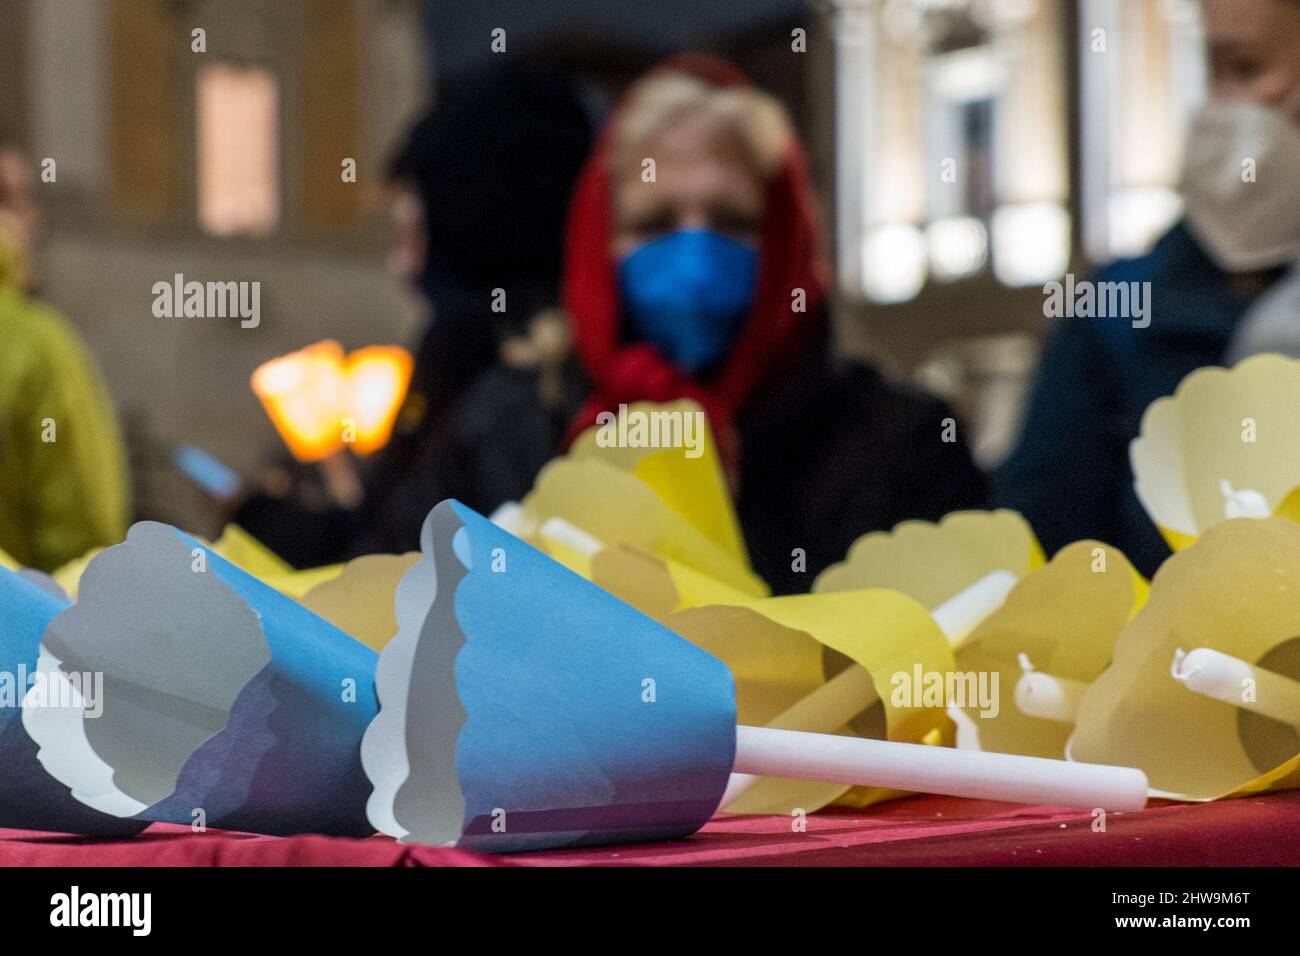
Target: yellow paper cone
(247,553)
(617,508)
(688,479)
(782,649)
(1234,591)
(932,562)
(359,599)
(653,585)
(297,583)
(1225,445)
(244,551)
(1065,618)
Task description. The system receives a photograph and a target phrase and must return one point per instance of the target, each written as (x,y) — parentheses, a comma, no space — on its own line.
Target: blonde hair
(663,100)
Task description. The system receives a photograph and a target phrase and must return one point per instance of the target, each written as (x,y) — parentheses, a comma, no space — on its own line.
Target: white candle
(958,616)
(566,533)
(851,691)
(1047,697)
(1236,682)
(510,516)
(826,709)
(959,773)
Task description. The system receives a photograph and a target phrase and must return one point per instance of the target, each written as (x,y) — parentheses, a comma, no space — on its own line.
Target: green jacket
(63,475)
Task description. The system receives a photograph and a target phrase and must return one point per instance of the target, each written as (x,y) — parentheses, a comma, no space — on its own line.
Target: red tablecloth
(918,831)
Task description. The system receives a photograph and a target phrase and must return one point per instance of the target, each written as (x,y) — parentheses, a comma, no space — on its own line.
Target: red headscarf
(774,335)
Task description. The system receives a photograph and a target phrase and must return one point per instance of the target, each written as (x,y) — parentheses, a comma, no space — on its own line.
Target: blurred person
(480,188)
(63,474)
(705,284)
(1224,284)
(704,281)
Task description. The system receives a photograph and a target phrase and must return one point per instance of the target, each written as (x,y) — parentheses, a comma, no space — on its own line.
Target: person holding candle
(479,193)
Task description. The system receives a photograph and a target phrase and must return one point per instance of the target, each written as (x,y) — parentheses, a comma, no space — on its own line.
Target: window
(238,114)
(1142,74)
(953,154)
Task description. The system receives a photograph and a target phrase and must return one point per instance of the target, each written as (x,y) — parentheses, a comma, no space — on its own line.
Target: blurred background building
(966,151)
(984,148)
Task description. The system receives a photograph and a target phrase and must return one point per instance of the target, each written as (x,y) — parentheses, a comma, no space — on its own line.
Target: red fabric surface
(945,831)
(774,334)
(919,831)
(165,844)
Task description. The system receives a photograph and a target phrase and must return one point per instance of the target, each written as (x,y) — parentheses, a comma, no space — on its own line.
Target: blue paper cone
(522,707)
(30,799)
(226,703)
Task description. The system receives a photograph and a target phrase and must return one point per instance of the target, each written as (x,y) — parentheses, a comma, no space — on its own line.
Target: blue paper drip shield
(225,703)
(523,707)
(30,799)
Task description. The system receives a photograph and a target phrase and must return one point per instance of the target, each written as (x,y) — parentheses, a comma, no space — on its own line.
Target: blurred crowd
(667,247)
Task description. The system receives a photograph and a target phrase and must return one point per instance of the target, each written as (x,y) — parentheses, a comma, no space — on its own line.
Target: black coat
(830,451)
(833,450)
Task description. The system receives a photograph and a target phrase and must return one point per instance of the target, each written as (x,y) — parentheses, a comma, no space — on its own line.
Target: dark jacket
(494,164)
(830,451)
(833,450)
(1070,474)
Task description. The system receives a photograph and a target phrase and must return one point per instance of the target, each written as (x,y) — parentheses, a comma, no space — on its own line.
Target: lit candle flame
(316,399)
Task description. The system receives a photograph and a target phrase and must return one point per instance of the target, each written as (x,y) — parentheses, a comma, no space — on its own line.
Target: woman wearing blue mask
(692,271)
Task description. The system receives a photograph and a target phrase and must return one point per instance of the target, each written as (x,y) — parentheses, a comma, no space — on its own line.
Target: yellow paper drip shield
(687,477)
(658,500)
(932,562)
(1226,444)
(1065,617)
(359,599)
(1237,591)
(782,649)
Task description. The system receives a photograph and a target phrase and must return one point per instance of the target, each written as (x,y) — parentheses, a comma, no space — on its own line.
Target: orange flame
(319,402)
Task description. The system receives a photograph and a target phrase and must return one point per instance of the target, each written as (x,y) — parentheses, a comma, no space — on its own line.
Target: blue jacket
(1070,474)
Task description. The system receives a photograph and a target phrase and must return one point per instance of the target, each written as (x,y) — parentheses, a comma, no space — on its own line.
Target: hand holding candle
(303,393)
(319,401)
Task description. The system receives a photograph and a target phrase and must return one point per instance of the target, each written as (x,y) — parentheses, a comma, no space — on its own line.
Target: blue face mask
(689,294)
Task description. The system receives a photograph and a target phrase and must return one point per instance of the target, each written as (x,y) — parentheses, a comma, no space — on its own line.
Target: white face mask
(1241,185)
